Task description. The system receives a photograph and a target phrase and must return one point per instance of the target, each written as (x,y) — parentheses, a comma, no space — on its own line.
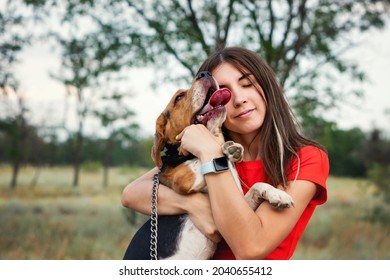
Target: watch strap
(214,166)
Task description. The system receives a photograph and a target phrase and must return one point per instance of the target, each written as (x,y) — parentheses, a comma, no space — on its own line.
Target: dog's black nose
(203,74)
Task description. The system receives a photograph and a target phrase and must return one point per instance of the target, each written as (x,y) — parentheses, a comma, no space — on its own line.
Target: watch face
(220,164)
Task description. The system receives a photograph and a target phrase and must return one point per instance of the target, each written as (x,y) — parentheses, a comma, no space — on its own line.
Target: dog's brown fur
(180,113)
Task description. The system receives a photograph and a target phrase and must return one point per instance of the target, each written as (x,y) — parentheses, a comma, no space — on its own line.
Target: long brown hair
(279,134)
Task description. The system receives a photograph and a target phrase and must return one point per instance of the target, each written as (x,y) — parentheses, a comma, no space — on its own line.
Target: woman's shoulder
(312,154)
(312,164)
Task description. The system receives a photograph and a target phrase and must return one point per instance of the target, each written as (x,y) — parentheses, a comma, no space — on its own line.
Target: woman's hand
(199,210)
(197,140)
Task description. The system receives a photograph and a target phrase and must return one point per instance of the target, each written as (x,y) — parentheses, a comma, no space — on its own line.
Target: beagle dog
(178,238)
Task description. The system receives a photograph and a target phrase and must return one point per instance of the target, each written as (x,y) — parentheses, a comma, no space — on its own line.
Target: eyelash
(179,97)
(244,86)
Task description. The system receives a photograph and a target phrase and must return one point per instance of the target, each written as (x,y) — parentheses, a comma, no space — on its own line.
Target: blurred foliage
(380,176)
(378,214)
(377,160)
(132,217)
(91,166)
(133,153)
(303,41)
(12,41)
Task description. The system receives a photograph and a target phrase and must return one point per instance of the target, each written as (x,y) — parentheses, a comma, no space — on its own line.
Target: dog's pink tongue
(220,97)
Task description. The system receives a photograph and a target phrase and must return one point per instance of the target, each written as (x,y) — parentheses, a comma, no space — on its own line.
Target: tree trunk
(106,161)
(19,146)
(105,176)
(77,159)
(15,172)
(35,178)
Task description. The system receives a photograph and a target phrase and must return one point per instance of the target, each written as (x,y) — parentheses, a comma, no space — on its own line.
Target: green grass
(54,220)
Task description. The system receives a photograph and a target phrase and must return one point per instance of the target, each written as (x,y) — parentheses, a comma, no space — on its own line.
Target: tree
(88,56)
(303,41)
(13,109)
(117,119)
(11,44)
(16,131)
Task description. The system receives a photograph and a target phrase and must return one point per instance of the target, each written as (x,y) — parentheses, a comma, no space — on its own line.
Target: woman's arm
(250,234)
(253,235)
(137,196)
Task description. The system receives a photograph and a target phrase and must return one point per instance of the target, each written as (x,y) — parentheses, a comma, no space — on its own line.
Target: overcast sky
(47,95)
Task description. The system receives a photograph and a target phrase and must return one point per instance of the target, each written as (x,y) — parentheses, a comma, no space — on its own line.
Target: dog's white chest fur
(195,246)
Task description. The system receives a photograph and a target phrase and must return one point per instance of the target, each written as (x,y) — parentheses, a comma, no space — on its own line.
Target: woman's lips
(245,113)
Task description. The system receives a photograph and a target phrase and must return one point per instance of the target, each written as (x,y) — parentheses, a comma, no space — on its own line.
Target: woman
(259,118)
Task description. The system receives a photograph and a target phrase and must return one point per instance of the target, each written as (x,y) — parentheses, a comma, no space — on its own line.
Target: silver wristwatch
(215,166)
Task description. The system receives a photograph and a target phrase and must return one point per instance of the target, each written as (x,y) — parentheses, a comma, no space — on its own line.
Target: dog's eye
(179,97)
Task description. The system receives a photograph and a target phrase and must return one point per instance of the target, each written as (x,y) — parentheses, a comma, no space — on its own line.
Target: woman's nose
(238,99)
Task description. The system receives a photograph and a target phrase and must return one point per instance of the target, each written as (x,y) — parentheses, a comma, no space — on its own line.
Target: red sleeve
(313,167)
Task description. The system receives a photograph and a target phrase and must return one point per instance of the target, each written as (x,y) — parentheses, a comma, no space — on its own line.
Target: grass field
(54,220)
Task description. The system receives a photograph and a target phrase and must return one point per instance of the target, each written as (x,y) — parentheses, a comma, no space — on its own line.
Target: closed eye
(245,81)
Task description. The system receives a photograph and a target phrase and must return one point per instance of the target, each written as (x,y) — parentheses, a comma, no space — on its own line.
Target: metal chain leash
(154,218)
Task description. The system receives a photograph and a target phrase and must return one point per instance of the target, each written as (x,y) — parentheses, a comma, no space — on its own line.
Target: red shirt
(314,167)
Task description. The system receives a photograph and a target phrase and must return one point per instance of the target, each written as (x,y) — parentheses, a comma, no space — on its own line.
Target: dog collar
(171,157)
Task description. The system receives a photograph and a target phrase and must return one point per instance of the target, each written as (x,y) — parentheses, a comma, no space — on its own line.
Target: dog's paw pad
(226,145)
(233,151)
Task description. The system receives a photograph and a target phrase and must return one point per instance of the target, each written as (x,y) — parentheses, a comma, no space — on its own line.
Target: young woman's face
(246,109)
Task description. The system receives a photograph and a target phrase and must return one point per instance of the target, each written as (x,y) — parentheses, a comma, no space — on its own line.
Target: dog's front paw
(233,151)
(280,199)
(277,198)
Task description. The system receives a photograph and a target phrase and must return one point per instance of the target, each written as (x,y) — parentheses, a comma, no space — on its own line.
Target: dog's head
(203,104)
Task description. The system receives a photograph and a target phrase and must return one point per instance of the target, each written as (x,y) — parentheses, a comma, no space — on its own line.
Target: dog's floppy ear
(159,140)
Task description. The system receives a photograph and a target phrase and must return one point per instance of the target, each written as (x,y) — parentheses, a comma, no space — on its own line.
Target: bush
(379,214)
(379,175)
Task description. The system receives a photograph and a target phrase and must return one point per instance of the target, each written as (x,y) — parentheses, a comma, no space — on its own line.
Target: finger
(182,151)
(179,136)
